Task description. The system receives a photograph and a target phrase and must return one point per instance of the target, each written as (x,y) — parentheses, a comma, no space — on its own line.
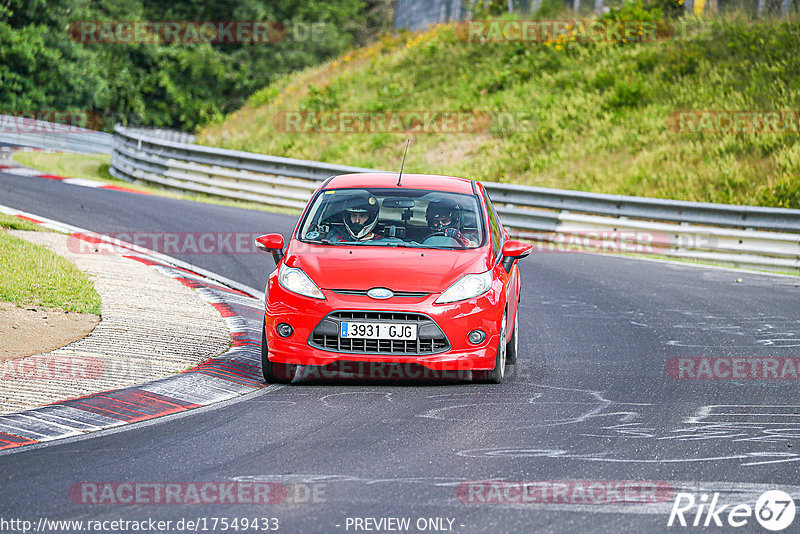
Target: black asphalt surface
(588,401)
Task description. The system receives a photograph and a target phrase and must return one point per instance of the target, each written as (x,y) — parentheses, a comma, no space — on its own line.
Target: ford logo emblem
(380,293)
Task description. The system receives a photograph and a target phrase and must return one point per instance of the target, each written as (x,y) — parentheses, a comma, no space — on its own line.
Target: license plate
(378,331)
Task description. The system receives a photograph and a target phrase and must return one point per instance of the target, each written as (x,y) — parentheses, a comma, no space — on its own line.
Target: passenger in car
(444,218)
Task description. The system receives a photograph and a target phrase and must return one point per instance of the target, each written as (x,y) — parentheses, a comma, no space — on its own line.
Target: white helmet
(362,203)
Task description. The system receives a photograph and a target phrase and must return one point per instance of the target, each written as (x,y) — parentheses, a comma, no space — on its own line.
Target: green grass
(15,223)
(89,166)
(95,167)
(597,114)
(32,275)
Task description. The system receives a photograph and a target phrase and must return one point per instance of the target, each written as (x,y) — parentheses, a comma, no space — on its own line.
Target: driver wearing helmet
(444,218)
(360,216)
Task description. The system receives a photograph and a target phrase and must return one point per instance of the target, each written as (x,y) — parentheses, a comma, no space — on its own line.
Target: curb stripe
(29,219)
(132,405)
(194,285)
(223,309)
(234,373)
(81,182)
(9,441)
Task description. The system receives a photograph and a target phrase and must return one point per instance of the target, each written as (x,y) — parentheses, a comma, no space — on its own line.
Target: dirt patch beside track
(29,330)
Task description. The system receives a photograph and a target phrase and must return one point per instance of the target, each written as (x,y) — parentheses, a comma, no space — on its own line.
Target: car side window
(495,227)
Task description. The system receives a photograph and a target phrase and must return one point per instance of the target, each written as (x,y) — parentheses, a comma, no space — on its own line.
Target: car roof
(388,180)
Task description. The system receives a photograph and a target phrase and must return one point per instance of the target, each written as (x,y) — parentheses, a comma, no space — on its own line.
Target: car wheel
(495,376)
(274,373)
(513,343)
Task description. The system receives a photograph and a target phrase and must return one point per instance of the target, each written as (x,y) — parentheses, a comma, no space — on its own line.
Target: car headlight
(467,287)
(296,281)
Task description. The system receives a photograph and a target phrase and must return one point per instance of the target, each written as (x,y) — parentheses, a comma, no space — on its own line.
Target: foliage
(634,10)
(593,116)
(174,85)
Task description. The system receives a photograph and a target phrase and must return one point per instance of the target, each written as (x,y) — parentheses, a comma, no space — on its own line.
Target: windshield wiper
(324,241)
(377,243)
(437,247)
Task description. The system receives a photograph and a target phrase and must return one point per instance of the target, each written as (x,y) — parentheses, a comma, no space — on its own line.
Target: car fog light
(476,336)
(284,330)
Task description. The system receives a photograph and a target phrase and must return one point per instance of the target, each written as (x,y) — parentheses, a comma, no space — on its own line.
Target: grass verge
(32,275)
(10,222)
(592,116)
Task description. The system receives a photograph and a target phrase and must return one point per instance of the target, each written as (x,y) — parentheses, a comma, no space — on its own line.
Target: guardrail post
(598,6)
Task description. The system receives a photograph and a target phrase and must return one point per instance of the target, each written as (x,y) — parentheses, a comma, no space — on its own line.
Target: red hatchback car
(411,271)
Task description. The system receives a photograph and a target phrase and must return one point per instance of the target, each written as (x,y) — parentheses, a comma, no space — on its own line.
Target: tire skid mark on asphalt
(762,426)
(593,399)
(234,373)
(767,330)
(326,400)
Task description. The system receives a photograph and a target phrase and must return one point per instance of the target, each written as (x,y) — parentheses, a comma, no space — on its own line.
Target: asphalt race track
(590,401)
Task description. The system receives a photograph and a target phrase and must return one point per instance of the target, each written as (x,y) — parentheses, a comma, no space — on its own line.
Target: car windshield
(390,217)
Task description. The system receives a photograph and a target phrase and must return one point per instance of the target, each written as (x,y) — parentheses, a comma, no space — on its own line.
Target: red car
(411,270)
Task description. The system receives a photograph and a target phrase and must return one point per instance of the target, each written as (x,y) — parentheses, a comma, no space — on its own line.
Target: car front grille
(430,338)
(363,293)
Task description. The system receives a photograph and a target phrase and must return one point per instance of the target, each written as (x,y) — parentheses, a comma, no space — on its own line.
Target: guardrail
(747,236)
(232,174)
(29,132)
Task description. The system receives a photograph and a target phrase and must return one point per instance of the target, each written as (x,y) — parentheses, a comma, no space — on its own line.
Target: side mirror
(271,243)
(513,251)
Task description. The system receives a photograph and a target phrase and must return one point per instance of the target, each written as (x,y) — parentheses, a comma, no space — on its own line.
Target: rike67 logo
(774,510)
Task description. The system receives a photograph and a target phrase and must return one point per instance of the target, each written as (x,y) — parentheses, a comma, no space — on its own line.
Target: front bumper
(453,320)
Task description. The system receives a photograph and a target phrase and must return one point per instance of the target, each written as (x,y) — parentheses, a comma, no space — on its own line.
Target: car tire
(513,343)
(274,373)
(495,376)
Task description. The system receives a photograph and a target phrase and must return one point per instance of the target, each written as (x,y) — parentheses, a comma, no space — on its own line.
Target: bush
(785,195)
(173,85)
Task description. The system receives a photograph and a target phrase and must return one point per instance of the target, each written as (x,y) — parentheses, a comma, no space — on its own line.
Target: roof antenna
(404,162)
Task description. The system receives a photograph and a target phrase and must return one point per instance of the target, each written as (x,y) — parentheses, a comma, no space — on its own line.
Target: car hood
(399,269)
